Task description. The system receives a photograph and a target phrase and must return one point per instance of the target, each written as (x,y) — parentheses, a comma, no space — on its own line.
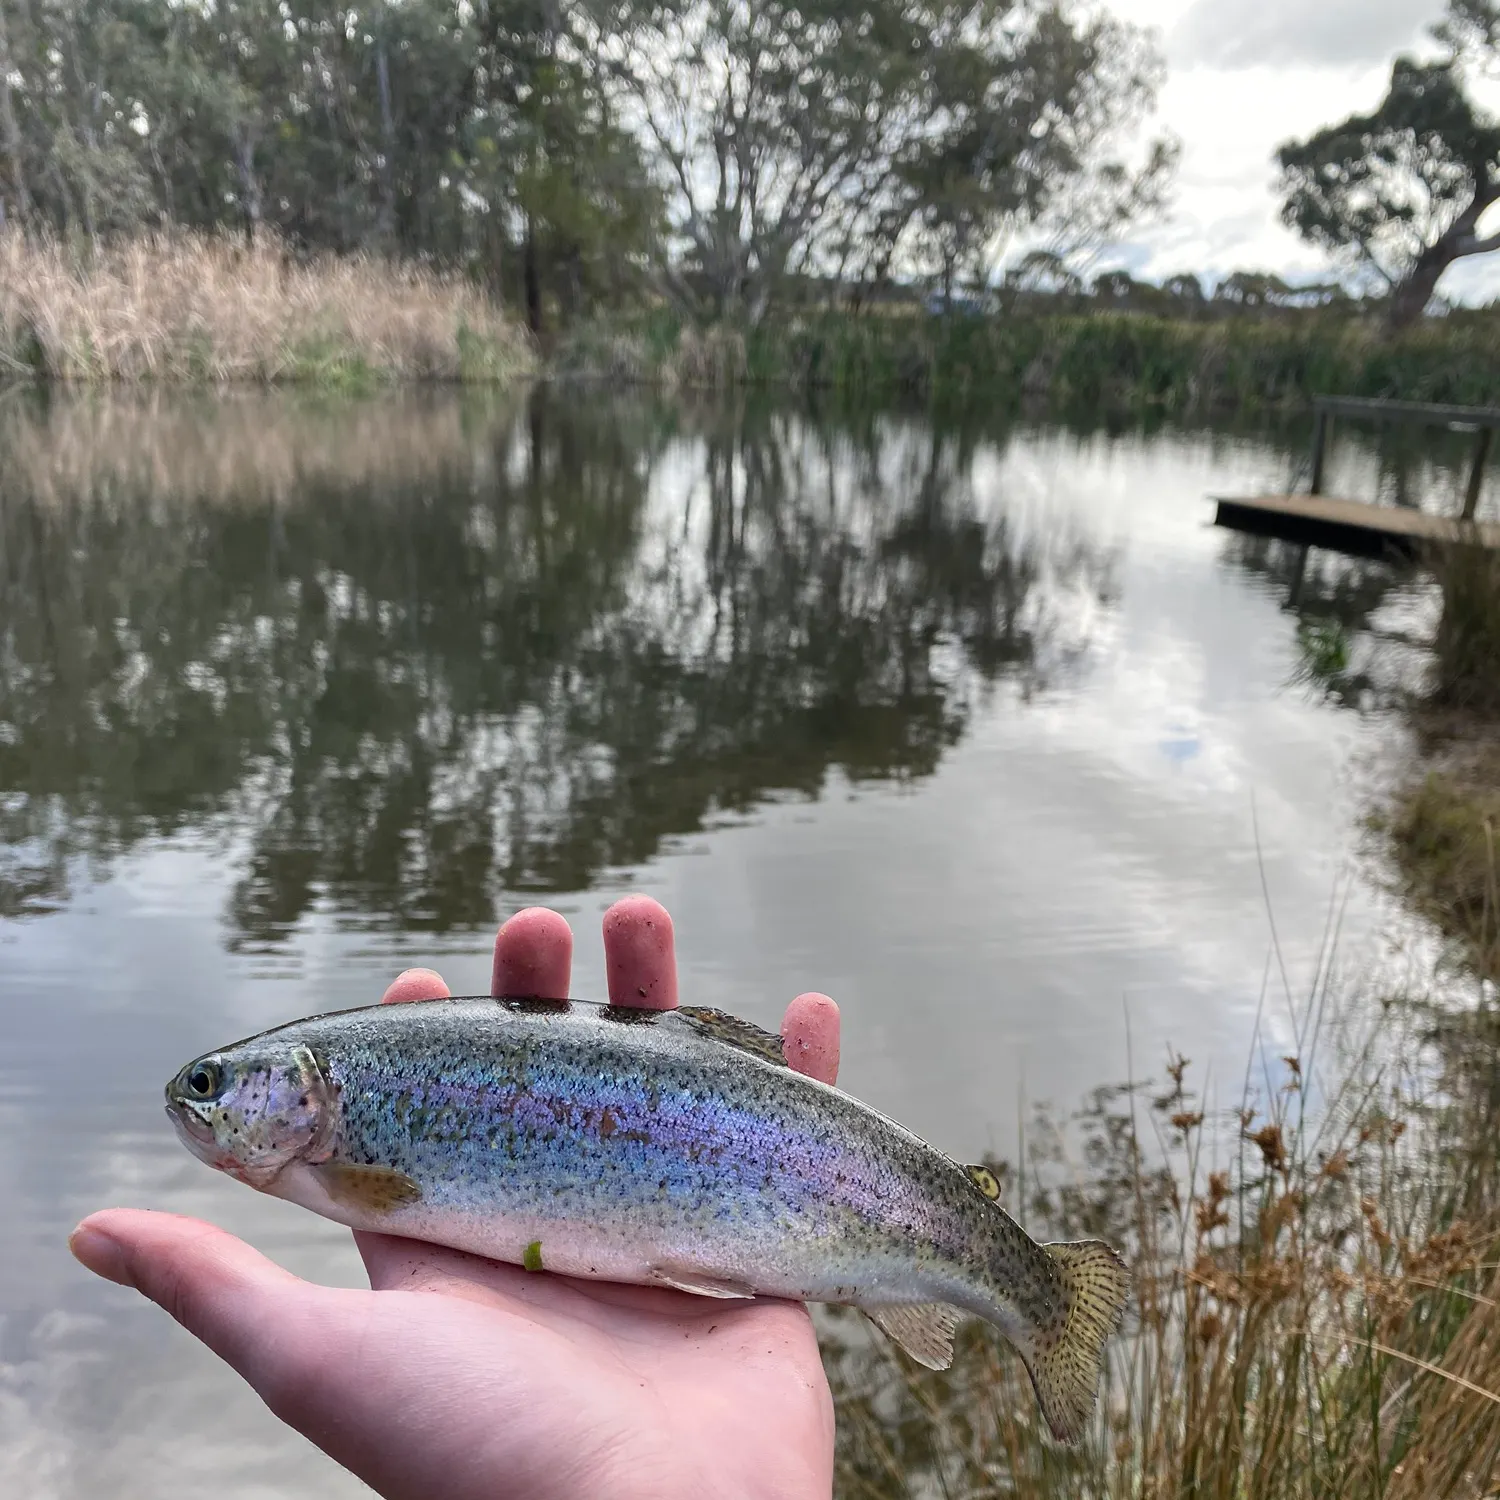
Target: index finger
(533,956)
(640,955)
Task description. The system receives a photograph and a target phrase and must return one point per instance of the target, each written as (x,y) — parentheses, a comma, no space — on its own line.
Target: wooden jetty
(1356,526)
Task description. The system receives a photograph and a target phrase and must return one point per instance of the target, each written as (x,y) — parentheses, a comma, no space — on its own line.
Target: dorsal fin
(736,1031)
(985,1180)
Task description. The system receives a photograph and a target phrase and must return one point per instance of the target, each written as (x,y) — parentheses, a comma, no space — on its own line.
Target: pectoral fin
(923,1329)
(376,1189)
(683,1279)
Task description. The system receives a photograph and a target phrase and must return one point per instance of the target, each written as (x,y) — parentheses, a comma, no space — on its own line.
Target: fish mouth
(194,1131)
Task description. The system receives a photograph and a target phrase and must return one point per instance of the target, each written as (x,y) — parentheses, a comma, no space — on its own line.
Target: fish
(670,1148)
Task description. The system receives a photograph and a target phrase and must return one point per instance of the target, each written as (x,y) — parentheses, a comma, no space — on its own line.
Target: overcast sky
(1243,76)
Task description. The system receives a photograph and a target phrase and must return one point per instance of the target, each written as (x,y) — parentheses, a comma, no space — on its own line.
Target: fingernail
(100,1254)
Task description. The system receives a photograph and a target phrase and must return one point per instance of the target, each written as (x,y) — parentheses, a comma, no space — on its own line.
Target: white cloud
(1243,77)
(1248,33)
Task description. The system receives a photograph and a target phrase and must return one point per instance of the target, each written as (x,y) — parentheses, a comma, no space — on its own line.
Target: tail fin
(1065,1369)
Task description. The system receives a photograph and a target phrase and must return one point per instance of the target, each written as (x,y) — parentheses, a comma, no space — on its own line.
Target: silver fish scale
(661,1138)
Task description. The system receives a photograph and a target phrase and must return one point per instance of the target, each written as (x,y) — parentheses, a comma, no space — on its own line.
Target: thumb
(243,1306)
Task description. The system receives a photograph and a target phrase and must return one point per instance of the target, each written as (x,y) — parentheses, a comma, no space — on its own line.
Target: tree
(1471,32)
(1398,194)
(424,128)
(571,154)
(814,138)
(1185,290)
(1045,272)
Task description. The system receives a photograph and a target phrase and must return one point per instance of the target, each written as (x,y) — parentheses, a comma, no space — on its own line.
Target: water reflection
(988,732)
(1361,625)
(501,650)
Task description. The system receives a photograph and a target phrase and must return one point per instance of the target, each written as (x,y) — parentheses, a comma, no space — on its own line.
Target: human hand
(458,1378)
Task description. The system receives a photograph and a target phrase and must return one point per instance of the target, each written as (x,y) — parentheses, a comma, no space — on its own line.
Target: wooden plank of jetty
(1348,525)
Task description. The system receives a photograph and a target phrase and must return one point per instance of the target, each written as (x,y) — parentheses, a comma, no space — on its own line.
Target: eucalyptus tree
(1398,194)
(809,136)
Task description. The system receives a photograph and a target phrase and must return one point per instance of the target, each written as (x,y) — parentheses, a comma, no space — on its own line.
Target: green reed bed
(1466,646)
(1102,358)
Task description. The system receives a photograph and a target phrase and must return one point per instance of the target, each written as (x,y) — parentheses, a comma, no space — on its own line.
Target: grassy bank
(1443,827)
(204,311)
(1103,358)
(1445,832)
(190,309)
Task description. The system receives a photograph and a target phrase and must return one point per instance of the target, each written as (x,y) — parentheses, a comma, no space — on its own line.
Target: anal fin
(699,1283)
(923,1329)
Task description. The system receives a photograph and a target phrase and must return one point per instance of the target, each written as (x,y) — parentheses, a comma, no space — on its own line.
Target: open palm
(458,1377)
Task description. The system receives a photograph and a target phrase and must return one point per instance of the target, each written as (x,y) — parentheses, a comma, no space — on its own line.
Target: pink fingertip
(810,1036)
(533,956)
(416,984)
(640,954)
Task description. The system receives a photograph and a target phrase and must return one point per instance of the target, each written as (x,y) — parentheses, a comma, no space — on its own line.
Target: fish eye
(203,1080)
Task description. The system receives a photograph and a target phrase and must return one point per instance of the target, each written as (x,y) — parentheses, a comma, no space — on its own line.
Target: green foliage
(577,157)
(819,138)
(327,361)
(1398,193)
(1104,359)
(1323,651)
(416,128)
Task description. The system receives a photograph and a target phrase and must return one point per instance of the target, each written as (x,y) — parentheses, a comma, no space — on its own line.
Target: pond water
(981,727)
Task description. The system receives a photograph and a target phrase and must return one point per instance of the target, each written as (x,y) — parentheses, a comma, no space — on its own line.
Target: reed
(1101,358)
(187,308)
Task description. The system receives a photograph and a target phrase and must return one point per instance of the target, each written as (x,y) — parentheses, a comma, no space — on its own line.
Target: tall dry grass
(1316,1301)
(191,308)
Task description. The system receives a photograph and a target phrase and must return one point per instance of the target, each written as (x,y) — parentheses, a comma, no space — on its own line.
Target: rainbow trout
(668,1148)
